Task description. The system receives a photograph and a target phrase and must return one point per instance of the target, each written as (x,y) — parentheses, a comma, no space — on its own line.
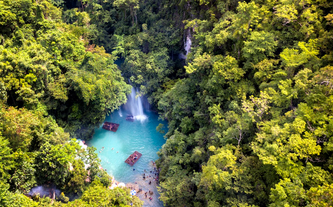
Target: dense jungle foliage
(54,86)
(249,108)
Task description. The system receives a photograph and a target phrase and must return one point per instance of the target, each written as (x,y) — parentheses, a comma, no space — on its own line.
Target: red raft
(110,126)
(133,158)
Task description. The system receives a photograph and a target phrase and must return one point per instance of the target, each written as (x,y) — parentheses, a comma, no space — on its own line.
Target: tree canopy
(249,108)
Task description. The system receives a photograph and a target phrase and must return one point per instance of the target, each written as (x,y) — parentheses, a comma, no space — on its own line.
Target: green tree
(7,162)
(23,175)
(133,5)
(53,163)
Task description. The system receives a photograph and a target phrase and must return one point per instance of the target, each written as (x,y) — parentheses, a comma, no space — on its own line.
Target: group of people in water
(103,149)
(150,194)
(154,173)
(150,175)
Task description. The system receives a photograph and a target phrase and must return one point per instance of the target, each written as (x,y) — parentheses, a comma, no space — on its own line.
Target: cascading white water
(120,113)
(187,47)
(134,105)
(188,44)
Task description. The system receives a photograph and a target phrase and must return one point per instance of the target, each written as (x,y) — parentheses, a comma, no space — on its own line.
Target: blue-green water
(138,136)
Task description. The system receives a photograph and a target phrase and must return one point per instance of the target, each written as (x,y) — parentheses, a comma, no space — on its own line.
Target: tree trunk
(136,18)
(132,14)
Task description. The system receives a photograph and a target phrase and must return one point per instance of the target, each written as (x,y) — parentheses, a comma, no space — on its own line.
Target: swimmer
(117,152)
(112,148)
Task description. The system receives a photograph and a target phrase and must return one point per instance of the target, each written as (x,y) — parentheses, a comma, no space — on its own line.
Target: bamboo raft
(129,118)
(133,158)
(110,126)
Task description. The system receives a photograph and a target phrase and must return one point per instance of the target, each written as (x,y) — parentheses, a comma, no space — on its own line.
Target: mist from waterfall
(135,106)
(44,191)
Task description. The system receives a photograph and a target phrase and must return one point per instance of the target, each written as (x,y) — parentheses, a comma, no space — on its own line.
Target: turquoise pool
(141,136)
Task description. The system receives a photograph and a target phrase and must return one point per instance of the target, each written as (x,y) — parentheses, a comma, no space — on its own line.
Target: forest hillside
(246,88)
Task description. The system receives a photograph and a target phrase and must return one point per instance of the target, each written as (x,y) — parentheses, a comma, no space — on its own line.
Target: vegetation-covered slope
(250,119)
(249,110)
(251,124)
(53,84)
(50,65)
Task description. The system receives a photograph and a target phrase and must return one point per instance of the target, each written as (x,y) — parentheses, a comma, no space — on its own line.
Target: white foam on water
(141,118)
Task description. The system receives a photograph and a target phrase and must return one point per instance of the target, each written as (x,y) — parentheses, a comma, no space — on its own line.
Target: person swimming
(112,148)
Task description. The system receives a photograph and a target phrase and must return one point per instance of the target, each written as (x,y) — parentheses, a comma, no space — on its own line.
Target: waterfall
(134,106)
(187,47)
(188,44)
